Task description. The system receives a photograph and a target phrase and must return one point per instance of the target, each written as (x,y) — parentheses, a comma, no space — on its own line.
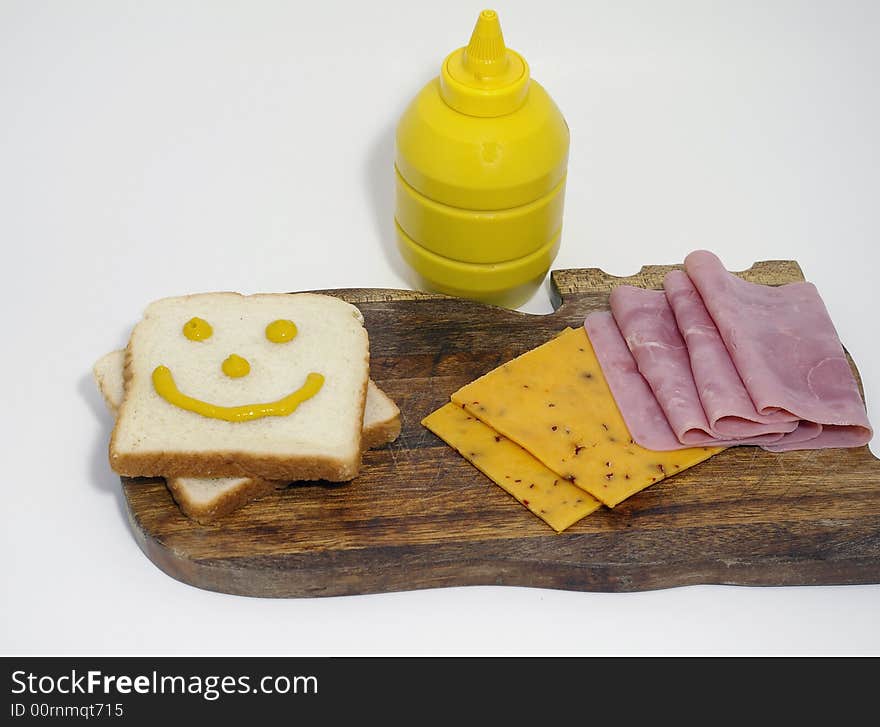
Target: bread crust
(234,464)
(231,500)
(381,433)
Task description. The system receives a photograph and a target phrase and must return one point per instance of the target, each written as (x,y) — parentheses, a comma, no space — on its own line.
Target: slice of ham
(728,407)
(651,333)
(787,353)
(642,414)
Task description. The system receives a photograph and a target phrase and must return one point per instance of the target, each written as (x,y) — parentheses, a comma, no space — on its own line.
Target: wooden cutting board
(420,516)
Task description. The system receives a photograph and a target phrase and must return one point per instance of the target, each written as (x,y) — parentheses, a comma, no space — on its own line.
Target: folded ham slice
(787,353)
(642,414)
(651,333)
(728,407)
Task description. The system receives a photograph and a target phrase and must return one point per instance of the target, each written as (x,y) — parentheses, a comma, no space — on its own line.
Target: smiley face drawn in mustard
(235,366)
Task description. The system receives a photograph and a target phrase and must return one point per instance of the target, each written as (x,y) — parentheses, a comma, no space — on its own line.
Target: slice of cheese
(554,402)
(556,501)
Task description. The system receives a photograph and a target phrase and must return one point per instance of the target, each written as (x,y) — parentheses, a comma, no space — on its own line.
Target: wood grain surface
(420,516)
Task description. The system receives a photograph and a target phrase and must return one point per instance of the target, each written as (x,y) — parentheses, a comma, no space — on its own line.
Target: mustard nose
(235,366)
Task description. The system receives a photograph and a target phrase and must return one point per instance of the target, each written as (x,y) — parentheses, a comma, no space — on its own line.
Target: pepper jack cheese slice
(554,402)
(556,501)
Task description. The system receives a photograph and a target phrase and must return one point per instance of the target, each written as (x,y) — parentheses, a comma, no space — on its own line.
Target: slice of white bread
(207,499)
(321,439)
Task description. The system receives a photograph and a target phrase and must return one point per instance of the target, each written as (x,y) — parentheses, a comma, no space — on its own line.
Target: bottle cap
(485,78)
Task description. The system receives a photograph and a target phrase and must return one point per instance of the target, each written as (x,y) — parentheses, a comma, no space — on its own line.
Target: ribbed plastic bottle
(481,160)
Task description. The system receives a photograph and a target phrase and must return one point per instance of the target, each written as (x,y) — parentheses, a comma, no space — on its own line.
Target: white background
(152,149)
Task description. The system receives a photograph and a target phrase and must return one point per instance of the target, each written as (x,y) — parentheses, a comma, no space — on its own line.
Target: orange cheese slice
(557,502)
(554,402)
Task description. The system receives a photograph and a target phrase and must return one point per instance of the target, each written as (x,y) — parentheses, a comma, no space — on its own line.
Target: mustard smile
(163,382)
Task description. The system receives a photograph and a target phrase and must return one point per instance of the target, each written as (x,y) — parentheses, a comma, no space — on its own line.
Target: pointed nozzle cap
(486,56)
(485,78)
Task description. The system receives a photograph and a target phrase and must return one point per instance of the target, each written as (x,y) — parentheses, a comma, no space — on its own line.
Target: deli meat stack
(715,360)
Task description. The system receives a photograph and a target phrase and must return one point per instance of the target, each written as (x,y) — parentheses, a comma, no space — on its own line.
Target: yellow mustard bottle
(481,160)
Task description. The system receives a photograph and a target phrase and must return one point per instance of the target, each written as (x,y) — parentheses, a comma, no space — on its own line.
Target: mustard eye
(197,329)
(281,331)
